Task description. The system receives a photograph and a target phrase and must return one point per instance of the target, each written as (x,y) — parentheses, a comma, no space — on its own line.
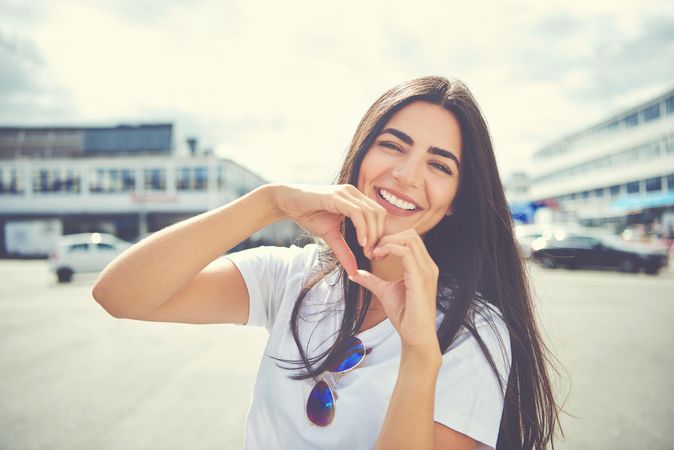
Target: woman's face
(413,167)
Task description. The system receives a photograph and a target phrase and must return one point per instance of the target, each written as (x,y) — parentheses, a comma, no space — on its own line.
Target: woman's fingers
(342,251)
(409,246)
(376,223)
(321,209)
(370,282)
(367,215)
(348,207)
(372,228)
(410,263)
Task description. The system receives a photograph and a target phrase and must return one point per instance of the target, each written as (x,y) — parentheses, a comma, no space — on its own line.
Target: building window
(633,187)
(56,180)
(599,192)
(649,151)
(155,179)
(585,194)
(669,144)
(614,190)
(192,178)
(11,181)
(112,180)
(669,105)
(654,184)
(201,178)
(670,182)
(632,120)
(652,112)
(183,178)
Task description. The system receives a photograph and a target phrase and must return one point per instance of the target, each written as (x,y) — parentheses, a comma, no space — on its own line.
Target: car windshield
(78,247)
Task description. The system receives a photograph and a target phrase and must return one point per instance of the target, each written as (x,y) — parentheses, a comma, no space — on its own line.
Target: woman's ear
(450,211)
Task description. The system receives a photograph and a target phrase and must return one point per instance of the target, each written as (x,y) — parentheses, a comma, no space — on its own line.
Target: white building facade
(130,189)
(619,171)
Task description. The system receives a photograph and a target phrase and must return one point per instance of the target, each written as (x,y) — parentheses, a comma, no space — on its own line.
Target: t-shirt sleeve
(468,398)
(272,274)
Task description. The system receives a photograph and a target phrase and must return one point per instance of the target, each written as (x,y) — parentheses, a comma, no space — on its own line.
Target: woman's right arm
(164,277)
(171,276)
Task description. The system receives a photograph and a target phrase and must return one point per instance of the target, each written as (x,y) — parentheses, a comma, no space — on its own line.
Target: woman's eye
(442,167)
(391,146)
(437,165)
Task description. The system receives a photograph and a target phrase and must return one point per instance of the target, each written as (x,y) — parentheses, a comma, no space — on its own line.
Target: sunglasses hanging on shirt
(321,402)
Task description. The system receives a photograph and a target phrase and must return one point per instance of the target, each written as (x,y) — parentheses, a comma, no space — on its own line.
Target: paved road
(613,335)
(72,377)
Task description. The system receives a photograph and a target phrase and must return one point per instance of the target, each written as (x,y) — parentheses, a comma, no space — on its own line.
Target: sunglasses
(321,402)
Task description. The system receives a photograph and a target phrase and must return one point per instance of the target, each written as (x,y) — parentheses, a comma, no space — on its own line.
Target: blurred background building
(617,173)
(516,188)
(125,180)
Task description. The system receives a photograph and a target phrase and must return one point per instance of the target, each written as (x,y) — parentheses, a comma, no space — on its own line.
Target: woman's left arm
(410,305)
(409,417)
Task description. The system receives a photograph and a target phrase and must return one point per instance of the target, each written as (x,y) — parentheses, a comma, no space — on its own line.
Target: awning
(636,202)
(522,211)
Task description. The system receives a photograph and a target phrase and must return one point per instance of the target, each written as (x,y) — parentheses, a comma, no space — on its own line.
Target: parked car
(575,250)
(526,234)
(84,252)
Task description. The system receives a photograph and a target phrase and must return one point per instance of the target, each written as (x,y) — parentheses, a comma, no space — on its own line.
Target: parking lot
(73,377)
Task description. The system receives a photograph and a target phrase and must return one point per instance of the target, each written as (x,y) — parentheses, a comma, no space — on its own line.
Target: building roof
(615,121)
(69,141)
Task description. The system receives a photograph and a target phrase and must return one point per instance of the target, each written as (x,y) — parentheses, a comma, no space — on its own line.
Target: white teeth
(395,201)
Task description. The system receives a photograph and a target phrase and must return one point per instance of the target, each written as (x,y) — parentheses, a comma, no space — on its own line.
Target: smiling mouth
(395,201)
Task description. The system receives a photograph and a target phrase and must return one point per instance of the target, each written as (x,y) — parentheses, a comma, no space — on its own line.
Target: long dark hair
(476,253)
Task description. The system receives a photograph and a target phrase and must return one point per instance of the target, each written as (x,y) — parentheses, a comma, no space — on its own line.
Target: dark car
(575,251)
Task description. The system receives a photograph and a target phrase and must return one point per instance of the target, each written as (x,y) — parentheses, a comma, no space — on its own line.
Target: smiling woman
(407,323)
(408,173)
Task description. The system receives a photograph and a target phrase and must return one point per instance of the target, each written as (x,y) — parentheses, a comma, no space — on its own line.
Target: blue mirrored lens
(353,355)
(321,404)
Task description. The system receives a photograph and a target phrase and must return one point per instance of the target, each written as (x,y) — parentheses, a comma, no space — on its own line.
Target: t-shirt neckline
(376,333)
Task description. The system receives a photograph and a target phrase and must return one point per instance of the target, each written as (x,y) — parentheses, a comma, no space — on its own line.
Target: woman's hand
(410,301)
(320,210)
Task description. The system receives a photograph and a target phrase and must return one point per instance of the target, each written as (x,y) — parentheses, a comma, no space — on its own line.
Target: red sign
(153,198)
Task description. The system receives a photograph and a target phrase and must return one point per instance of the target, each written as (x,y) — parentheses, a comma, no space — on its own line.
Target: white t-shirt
(467,397)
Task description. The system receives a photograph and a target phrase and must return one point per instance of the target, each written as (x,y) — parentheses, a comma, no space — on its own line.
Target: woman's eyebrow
(432,150)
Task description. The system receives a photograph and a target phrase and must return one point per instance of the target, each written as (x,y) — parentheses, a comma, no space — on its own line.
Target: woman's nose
(408,172)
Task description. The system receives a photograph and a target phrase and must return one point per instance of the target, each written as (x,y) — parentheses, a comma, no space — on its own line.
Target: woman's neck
(389,268)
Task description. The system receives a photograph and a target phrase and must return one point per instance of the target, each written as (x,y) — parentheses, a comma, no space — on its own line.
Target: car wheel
(628,266)
(652,270)
(549,262)
(64,275)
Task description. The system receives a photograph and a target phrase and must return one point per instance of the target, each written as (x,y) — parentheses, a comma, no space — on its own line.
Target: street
(72,377)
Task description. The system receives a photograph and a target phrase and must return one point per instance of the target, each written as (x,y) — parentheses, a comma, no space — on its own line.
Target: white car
(84,252)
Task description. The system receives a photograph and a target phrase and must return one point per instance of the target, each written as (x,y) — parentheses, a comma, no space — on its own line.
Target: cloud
(20,60)
(145,12)
(26,94)
(645,59)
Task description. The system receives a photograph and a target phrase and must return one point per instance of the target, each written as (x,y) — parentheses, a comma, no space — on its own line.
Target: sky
(281,86)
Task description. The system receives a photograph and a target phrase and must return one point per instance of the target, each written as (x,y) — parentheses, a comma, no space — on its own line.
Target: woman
(407,324)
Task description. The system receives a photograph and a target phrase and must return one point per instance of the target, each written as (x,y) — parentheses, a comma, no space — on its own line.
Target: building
(618,172)
(124,180)
(516,188)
